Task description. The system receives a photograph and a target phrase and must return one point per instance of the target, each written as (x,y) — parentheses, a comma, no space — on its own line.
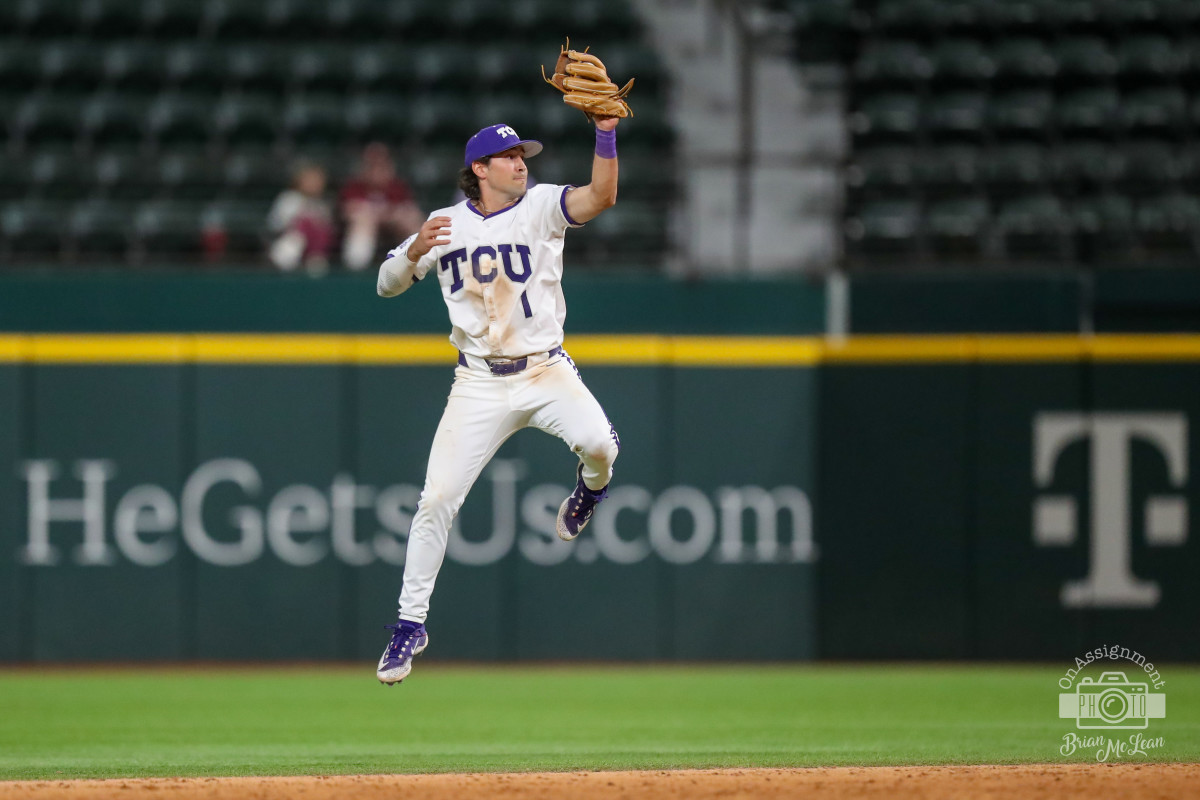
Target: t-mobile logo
(1110,582)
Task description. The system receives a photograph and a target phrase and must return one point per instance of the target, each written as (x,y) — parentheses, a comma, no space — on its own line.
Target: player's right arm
(402,267)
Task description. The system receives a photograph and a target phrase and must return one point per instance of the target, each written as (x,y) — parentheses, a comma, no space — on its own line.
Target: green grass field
(445,718)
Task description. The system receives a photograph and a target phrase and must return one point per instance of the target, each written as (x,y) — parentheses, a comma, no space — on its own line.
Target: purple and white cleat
(408,639)
(577,509)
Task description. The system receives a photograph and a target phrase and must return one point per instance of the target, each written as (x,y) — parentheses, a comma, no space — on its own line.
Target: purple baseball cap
(496,139)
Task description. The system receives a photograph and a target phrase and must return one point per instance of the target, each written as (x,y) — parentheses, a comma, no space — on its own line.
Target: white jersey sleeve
(397,274)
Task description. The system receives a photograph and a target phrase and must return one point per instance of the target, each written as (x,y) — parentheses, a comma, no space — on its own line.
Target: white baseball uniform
(501,279)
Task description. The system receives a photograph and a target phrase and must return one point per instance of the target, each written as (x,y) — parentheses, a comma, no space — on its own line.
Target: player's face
(507,174)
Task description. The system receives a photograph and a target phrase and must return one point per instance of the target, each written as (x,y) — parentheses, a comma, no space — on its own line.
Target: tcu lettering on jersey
(483,264)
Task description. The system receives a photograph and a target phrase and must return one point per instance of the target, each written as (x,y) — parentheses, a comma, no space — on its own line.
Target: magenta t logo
(1110,582)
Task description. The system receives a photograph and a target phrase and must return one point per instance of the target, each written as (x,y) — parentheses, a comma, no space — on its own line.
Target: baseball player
(498,258)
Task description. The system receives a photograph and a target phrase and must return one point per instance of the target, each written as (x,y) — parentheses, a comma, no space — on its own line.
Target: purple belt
(507,366)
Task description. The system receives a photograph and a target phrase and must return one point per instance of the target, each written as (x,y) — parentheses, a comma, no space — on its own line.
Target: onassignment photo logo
(1107,702)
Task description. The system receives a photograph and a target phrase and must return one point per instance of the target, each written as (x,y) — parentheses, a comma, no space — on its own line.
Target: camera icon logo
(1112,702)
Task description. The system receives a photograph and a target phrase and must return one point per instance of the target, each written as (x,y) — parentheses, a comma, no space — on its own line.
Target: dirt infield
(1028,782)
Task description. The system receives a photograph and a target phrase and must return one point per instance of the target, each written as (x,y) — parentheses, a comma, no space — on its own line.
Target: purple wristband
(606,143)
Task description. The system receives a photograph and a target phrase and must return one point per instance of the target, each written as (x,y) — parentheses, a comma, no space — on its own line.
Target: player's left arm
(586,202)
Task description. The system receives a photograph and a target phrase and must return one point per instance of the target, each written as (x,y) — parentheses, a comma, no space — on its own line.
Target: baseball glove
(583,80)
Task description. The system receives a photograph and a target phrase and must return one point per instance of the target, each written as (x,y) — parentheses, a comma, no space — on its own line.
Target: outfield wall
(205,492)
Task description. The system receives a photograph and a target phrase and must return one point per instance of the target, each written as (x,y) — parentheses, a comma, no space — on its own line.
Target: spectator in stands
(375,203)
(301,223)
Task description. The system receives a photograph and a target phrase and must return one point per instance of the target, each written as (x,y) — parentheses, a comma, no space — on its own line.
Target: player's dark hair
(468,181)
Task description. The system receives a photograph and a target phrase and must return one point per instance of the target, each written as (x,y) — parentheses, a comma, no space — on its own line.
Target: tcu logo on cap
(506,131)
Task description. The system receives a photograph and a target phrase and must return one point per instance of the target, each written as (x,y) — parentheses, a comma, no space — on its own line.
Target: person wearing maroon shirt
(375,202)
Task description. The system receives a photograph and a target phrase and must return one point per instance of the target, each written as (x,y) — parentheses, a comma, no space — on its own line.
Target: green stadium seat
(447,67)
(372,117)
(1088,112)
(544,22)
(1122,17)
(1023,114)
(97,229)
(315,121)
(1086,164)
(1003,18)
(259,67)
(31,228)
(629,230)
(59,175)
(1070,16)
(1148,59)
(322,69)
(164,228)
(1023,61)
(909,17)
(114,119)
(254,176)
(241,120)
(645,177)
(353,20)
(437,117)
(605,21)
(70,66)
(172,19)
(557,123)
(1179,15)
(1161,110)
(47,18)
(134,67)
(108,19)
(958,226)
(233,19)
(20,66)
(189,175)
(1084,59)
(885,227)
(242,222)
(477,19)
(512,109)
(124,175)
(1104,227)
(956,115)
(379,68)
(962,61)
(412,21)
(891,63)
(947,171)
(887,116)
(1036,225)
(179,119)
(1016,169)
(888,171)
(196,67)
(501,67)
(47,120)
(297,19)
(16,176)
(1170,222)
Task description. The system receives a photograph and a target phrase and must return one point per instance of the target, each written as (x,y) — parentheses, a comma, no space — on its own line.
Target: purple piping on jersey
(471,206)
(562,201)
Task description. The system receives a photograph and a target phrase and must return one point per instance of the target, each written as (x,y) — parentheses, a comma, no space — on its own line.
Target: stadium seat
(172,19)
(70,66)
(1084,60)
(377,68)
(500,66)
(242,223)
(1036,225)
(891,64)
(60,175)
(189,175)
(962,61)
(435,117)
(179,119)
(254,176)
(1121,17)
(353,20)
(1088,112)
(322,69)
(412,21)
(956,115)
(241,120)
(166,229)
(605,21)
(1148,59)
(476,19)
(16,176)
(233,19)
(114,119)
(20,66)
(882,172)
(958,226)
(31,228)
(134,67)
(296,19)
(259,67)
(512,109)
(1161,110)
(47,120)
(910,17)
(1170,222)
(890,116)
(557,123)
(124,175)
(47,18)
(1024,114)
(623,63)
(445,68)
(1023,61)
(97,229)
(645,177)
(886,227)
(371,117)
(947,171)
(1104,227)
(196,67)
(1016,169)
(1086,164)
(106,19)
(315,121)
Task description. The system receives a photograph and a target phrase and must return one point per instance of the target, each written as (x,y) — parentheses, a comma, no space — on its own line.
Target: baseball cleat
(408,639)
(577,509)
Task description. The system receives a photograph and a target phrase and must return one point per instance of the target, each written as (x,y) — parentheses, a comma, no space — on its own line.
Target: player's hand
(434,232)
(607,123)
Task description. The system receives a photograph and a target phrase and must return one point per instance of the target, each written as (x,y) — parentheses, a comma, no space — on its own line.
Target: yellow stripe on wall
(601,350)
